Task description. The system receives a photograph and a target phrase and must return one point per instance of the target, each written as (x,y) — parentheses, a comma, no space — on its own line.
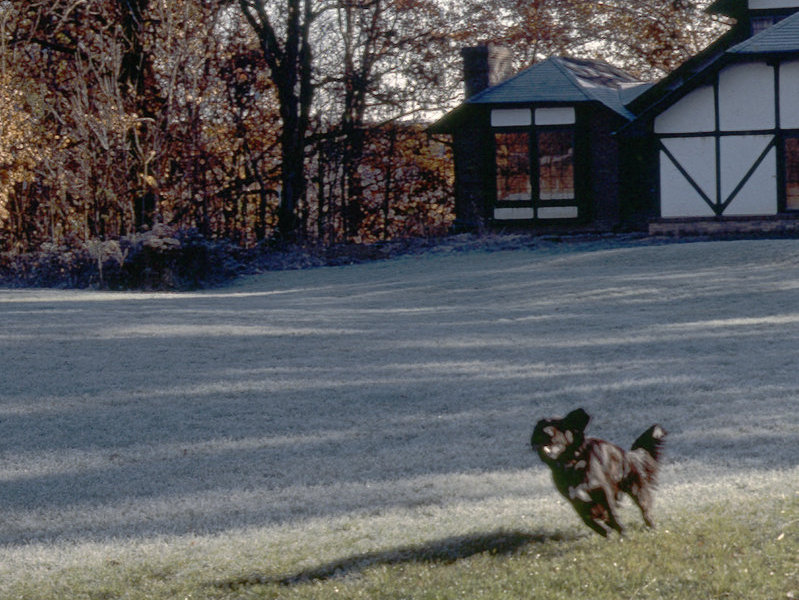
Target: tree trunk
(289,62)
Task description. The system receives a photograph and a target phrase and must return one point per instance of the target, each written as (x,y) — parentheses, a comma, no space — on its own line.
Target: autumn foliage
(242,120)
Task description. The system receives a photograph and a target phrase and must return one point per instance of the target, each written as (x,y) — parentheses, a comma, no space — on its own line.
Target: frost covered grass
(169,444)
(747,553)
(725,553)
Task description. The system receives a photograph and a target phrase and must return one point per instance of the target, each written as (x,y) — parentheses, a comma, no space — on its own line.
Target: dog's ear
(577,420)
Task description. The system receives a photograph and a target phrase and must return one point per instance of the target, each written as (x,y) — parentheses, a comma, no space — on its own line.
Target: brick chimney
(484,66)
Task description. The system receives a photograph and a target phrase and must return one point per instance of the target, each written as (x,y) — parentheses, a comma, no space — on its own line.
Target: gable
(781,41)
(789,92)
(746,97)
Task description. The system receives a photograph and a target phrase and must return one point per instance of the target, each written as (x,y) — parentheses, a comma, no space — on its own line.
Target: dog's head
(553,437)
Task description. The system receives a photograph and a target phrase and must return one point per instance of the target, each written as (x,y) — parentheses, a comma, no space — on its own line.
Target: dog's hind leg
(643,499)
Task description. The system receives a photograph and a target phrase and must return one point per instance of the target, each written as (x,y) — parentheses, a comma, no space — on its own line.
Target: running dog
(592,473)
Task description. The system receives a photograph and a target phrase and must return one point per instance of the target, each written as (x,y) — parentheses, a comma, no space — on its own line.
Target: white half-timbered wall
(719,145)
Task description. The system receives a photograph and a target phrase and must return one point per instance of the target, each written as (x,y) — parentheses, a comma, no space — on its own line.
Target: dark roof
(555,80)
(567,80)
(779,38)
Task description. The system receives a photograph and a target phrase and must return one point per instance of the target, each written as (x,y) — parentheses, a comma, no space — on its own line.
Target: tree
(247,119)
(289,58)
(533,29)
(19,154)
(66,55)
(217,168)
(646,37)
(381,62)
(126,112)
(406,184)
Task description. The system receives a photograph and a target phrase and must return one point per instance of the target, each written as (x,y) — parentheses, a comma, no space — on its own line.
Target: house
(539,147)
(578,144)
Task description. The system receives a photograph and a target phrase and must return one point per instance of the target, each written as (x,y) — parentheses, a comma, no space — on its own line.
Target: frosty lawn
(302,417)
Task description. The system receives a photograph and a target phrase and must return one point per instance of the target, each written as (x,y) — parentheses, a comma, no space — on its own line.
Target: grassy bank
(730,551)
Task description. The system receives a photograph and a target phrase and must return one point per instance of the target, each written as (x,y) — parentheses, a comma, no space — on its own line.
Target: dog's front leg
(606,499)
(596,525)
(593,513)
(595,509)
(588,514)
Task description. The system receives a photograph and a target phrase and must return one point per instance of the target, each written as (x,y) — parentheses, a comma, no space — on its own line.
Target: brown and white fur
(592,473)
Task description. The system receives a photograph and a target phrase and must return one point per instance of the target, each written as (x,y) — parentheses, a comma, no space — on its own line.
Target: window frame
(535,202)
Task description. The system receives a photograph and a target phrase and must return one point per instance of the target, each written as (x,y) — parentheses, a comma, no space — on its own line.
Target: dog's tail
(651,440)
(646,451)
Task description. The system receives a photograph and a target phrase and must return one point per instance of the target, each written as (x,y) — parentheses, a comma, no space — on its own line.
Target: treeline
(250,120)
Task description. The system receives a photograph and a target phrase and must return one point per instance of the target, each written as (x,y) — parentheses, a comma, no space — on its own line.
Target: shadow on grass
(444,551)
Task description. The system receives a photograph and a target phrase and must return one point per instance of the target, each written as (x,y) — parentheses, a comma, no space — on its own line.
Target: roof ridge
(591,94)
(569,74)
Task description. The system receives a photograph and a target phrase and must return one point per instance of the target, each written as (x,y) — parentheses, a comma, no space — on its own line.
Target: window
(792,173)
(556,165)
(535,172)
(760,24)
(513,166)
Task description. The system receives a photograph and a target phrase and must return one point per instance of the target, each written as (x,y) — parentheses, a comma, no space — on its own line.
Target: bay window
(535,173)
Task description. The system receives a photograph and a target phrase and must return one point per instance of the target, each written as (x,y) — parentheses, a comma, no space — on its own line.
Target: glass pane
(513,166)
(792,173)
(556,165)
(762,23)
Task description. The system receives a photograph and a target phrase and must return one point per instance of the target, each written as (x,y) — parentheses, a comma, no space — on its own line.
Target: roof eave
(660,99)
(451,121)
(728,8)
(685,73)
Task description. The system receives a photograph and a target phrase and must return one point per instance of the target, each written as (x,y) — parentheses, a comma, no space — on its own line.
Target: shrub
(159,259)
